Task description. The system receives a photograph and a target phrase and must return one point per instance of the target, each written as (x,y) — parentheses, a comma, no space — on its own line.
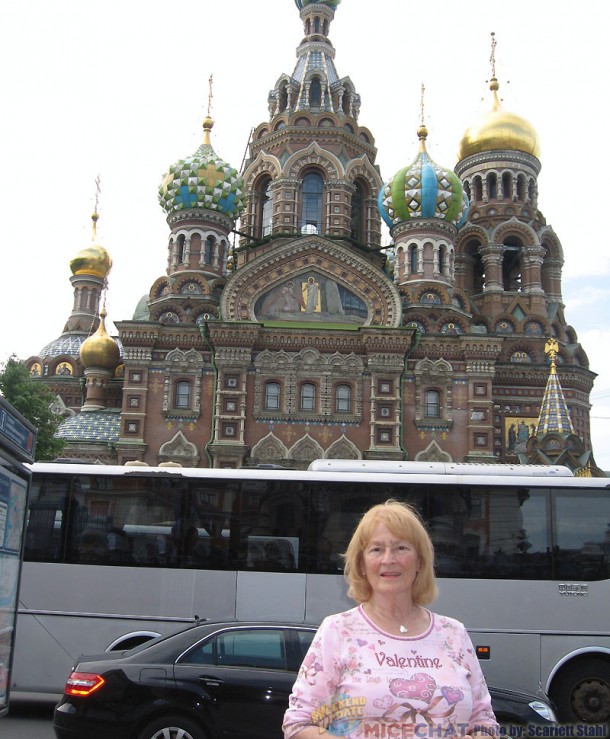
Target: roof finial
(551,349)
(422,131)
(208,122)
(493,83)
(95,215)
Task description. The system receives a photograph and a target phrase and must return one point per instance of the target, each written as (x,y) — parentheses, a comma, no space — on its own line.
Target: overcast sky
(119,88)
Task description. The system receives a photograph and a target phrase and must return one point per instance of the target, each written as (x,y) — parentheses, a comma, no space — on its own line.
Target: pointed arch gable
(179,449)
(362,167)
(314,155)
(343,448)
(433,453)
(304,256)
(269,449)
(263,164)
(515,227)
(306,449)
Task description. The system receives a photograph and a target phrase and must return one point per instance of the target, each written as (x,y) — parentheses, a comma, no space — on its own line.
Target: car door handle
(212,682)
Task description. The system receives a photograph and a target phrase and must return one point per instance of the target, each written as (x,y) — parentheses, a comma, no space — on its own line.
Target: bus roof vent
(439,468)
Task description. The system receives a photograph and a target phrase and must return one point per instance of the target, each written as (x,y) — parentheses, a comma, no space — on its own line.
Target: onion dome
(499,130)
(100,350)
(202,180)
(93,260)
(304,3)
(423,190)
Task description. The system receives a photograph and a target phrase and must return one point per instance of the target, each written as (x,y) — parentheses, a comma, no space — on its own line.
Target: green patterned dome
(304,3)
(202,180)
(423,190)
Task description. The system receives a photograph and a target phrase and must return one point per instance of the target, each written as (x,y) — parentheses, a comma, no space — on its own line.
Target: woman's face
(390,564)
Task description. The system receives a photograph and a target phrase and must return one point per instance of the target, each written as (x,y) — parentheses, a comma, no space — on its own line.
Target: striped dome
(423,190)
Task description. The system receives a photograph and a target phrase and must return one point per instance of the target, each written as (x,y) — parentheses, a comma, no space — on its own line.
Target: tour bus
(117,555)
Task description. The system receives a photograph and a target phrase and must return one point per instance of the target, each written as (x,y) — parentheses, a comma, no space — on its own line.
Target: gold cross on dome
(210,174)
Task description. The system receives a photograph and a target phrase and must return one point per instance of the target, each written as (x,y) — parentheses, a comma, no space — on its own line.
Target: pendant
(403,629)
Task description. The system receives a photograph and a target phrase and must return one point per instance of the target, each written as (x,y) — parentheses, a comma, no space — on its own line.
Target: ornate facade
(307,338)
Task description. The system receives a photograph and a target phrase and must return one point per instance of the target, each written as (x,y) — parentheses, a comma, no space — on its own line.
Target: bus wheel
(172,727)
(582,692)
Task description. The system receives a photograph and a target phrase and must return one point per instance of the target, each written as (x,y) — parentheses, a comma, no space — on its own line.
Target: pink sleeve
(482,716)
(316,682)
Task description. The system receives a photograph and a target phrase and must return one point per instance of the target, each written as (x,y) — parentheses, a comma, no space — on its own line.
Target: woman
(390,667)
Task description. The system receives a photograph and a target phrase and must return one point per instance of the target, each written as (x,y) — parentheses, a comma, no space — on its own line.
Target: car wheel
(172,727)
(581,692)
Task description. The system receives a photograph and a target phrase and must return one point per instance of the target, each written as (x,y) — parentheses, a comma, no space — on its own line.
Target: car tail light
(83,683)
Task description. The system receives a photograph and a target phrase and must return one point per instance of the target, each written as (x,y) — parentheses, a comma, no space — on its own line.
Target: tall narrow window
(308,396)
(413,258)
(183,394)
(432,402)
(265,215)
(315,92)
(358,230)
(442,257)
(343,399)
(492,186)
(311,207)
(272,396)
(209,246)
(182,248)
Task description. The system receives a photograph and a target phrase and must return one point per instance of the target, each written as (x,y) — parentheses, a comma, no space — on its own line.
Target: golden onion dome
(100,350)
(499,130)
(92,260)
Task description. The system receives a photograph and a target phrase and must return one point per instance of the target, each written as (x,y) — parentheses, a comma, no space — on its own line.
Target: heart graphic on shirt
(452,695)
(383,703)
(361,642)
(419,687)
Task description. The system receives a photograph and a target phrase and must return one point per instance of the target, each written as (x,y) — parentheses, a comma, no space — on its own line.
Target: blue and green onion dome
(203,180)
(304,3)
(423,190)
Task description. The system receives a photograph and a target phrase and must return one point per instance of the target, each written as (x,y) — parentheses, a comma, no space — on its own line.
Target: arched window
(272,396)
(315,92)
(182,248)
(345,103)
(316,25)
(511,265)
(308,397)
(209,249)
(478,188)
(521,187)
(283,98)
(442,257)
(265,208)
(432,404)
(311,206)
(413,258)
(492,186)
(183,394)
(507,185)
(343,399)
(358,227)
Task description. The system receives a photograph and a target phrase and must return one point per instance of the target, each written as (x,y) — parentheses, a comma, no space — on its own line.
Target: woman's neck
(396,616)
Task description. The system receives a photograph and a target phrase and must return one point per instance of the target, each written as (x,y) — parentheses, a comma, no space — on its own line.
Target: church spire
(554,413)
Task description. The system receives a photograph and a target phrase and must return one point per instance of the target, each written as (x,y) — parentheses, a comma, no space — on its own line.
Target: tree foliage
(33,400)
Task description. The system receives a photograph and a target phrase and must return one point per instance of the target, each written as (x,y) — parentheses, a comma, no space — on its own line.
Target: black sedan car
(209,681)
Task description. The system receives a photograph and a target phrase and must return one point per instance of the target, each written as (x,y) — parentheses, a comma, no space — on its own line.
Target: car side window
(202,654)
(263,648)
(305,638)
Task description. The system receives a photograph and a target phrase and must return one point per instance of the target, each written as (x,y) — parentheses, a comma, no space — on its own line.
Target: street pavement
(28,720)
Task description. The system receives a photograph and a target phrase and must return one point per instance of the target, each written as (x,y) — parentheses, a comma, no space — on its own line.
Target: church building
(281,330)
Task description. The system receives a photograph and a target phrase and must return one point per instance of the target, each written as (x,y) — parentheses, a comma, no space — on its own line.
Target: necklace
(403,629)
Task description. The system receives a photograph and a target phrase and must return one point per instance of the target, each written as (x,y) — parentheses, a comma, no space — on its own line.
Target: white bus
(116,555)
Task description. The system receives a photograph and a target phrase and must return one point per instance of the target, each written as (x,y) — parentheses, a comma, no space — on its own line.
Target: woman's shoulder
(446,622)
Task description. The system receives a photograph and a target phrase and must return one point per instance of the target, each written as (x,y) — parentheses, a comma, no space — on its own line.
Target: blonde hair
(403,522)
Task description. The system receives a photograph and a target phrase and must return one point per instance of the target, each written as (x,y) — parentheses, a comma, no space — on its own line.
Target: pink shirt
(359,681)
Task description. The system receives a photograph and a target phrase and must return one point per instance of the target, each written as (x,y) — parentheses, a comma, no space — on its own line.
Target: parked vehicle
(212,680)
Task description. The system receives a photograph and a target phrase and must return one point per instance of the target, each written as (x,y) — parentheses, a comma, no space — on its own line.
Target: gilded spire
(422,131)
(208,121)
